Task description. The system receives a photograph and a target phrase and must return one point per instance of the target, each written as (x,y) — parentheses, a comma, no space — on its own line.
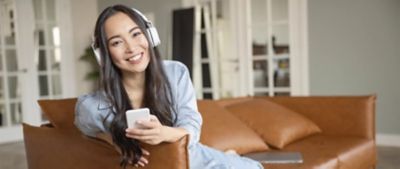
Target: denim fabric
(93,109)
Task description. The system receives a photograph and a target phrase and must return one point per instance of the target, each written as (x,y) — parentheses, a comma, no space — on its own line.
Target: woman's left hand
(151,132)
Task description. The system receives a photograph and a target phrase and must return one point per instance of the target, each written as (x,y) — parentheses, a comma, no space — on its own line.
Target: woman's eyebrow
(136,27)
(117,36)
(112,37)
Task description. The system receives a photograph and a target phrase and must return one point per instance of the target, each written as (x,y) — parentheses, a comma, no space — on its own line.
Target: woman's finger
(143,132)
(141,164)
(143,160)
(149,124)
(142,138)
(153,118)
(145,152)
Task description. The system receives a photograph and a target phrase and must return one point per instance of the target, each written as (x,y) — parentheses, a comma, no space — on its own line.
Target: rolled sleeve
(188,116)
(85,117)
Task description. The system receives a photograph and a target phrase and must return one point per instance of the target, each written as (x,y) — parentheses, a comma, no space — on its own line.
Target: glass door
(10,84)
(30,61)
(270,47)
(48,41)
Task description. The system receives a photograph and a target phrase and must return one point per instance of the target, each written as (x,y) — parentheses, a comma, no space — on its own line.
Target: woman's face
(126,43)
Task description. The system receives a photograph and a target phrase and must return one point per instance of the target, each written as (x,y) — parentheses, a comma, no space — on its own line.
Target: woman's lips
(135,58)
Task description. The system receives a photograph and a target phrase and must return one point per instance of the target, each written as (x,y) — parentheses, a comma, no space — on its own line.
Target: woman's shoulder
(95,100)
(173,64)
(90,113)
(175,68)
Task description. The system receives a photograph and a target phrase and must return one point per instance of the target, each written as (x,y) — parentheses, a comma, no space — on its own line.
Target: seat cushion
(223,131)
(277,125)
(331,152)
(60,112)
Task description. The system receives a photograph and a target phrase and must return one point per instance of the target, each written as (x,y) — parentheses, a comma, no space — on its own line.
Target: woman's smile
(135,59)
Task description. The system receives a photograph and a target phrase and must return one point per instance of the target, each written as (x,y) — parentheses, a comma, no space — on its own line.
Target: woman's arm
(187,115)
(153,132)
(188,119)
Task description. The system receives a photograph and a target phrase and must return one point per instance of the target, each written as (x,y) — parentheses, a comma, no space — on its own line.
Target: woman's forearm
(174,133)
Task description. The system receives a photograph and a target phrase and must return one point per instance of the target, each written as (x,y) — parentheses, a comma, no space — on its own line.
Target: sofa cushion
(323,151)
(60,112)
(223,131)
(277,125)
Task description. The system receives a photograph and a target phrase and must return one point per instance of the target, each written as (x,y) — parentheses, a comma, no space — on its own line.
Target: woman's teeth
(135,57)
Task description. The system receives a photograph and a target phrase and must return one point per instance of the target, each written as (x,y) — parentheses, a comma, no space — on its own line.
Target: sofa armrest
(49,148)
(336,115)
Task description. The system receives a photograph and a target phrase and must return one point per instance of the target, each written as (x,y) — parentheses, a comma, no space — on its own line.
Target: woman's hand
(152,132)
(143,160)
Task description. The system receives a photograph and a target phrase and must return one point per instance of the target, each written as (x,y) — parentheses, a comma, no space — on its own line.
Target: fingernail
(138,121)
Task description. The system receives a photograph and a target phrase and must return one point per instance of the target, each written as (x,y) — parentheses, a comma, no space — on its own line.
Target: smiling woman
(134,76)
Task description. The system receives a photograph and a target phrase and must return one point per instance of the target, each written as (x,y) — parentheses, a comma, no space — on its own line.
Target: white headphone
(151,30)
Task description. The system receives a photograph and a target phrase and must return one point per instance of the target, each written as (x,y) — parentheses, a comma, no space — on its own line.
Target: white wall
(355,50)
(84,15)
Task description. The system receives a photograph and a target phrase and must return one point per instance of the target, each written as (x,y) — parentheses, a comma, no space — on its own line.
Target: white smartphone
(132,116)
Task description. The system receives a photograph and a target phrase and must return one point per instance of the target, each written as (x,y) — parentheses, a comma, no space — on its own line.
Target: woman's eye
(116,43)
(136,34)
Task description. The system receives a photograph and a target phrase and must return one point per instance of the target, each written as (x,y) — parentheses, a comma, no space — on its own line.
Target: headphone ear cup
(155,39)
(151,30)
(97,54)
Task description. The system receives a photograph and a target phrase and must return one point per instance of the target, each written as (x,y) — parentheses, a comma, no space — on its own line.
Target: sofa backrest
(54,148)
(60,112)
(336,115)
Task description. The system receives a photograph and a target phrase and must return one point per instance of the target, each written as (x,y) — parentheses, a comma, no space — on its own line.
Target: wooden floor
(12,156)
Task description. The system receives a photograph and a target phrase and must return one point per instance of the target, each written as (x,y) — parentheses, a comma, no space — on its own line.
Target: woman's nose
(130,45)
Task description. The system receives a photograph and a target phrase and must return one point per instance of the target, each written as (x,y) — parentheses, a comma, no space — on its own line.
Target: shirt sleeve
(87,118)
(188,116)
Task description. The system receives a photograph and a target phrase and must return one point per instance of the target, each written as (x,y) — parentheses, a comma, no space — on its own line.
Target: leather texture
(50,148)
(336,115)
(59,112)
(223,131)
(331,152)
(277,125)
(347,140)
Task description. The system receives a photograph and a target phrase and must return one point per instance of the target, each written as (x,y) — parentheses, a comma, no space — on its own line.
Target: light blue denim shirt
(92,110)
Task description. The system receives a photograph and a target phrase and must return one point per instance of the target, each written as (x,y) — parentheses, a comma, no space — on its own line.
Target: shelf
(205,60)
(275,57)
(276,89)
(207,90)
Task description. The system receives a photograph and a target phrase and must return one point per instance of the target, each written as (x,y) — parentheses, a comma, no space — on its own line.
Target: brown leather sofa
(334,133)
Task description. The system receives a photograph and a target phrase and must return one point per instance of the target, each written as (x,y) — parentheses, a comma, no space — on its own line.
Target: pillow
(60,112)
(277,125)
(223,131)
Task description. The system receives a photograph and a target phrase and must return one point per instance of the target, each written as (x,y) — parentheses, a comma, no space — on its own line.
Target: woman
(134,76)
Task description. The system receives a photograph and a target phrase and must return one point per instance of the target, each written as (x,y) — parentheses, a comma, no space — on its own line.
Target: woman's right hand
(143,160)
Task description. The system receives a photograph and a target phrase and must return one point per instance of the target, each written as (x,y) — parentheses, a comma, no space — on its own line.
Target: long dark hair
(157,92)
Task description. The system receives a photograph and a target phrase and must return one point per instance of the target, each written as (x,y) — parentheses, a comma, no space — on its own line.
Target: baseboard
(388,140)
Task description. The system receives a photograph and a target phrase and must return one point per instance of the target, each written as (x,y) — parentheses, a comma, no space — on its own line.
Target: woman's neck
(134,85)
